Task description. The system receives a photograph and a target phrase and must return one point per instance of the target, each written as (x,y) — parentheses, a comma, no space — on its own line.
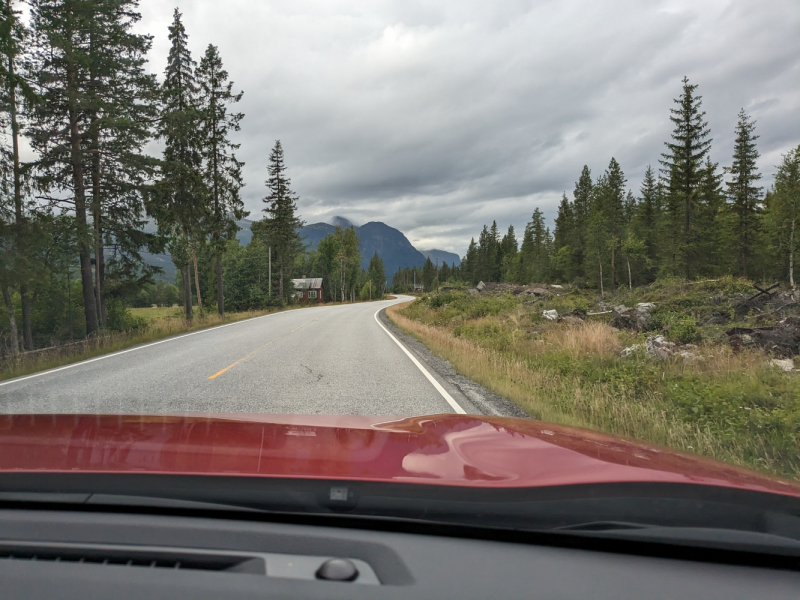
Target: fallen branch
(604,312)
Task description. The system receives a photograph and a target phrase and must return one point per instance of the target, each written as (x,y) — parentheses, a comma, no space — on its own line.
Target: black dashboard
(46,553)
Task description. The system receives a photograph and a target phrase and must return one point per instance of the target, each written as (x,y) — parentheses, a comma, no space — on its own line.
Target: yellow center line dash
(304,324)
(245,357)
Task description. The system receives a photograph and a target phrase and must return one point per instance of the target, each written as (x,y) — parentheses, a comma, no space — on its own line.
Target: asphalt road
(318,360)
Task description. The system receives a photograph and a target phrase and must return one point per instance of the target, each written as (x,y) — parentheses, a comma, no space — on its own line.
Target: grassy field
(734,407)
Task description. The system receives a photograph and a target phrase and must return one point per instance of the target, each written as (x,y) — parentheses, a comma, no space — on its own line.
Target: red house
(309,290)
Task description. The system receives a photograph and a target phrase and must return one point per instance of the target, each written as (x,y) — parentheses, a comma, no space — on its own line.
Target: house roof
(310,283)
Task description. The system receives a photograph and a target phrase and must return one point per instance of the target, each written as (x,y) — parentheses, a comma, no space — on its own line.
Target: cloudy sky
(439,116)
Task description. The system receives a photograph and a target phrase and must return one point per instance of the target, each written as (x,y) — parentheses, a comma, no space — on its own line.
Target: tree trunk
(197,284)
(280,284)
(187,293)
(602,294)
(630,279)
(97,219)
(84,245)
(613,269)
(791,253)
(220,291)
(12,320)
(27,335)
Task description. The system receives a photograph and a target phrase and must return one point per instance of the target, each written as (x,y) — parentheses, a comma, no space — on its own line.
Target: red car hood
(460,450)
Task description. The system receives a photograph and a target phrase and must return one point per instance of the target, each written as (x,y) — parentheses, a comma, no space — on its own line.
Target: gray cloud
(437,117)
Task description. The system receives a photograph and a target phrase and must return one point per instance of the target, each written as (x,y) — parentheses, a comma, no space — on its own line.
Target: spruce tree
(682,172)
(784,212)
(180,200)
(281,224)
(222,172)
(744,196)
(507,254)
(376,274)
(564,242)
(469,263)
(581,208)
(646,220)
(535,251)
(122,104)
(712,223)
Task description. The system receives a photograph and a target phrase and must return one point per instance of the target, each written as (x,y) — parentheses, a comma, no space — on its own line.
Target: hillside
(451,258)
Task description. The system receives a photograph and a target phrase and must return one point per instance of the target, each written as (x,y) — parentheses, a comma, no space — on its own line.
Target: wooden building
(309,289)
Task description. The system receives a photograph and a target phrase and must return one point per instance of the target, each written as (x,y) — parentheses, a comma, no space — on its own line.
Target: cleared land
(730,405)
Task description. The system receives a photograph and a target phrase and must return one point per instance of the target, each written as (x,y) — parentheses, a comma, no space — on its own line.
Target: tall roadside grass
(731,407)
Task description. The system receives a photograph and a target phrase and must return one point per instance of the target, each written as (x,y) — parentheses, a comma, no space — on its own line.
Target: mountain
(451,258)
(390,244)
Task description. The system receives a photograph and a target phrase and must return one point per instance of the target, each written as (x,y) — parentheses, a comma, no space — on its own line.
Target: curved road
(325,360)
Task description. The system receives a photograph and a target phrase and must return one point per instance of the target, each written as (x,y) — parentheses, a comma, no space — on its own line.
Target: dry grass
(544,376)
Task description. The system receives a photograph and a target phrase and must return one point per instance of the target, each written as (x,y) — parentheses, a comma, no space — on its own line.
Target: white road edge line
(456,407)
(171,339)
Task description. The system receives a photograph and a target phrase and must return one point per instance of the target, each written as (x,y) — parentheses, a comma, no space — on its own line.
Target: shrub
(119,318)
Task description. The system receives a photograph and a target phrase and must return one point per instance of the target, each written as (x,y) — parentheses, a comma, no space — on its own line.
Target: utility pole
(270,272)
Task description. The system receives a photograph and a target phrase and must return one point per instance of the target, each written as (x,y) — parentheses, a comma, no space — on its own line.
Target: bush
(677,327)
(119,318)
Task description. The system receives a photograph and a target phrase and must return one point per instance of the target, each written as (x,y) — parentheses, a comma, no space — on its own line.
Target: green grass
(732,407)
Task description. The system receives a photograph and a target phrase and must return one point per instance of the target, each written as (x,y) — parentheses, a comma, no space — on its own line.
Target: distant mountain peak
(341,222)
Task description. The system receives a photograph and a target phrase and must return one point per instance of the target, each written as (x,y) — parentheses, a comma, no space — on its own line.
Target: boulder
(570,320)
(785,364)
(550,315)
(637,319)
(631,350)
(480,286)
(658,347)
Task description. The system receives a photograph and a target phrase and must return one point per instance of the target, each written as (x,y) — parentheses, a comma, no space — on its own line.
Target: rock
(480,286)
(658,347)
(785,364)
(557,287)
(472,291)
(645,306)
(550,315)
(570,320)
(631,350)
(637,319)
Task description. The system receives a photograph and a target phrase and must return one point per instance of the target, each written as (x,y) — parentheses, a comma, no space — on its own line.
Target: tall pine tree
(181,200)
(682,173)
(222,172)
(743,193)
(281,224)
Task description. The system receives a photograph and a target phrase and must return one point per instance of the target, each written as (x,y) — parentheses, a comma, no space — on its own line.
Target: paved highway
(318,360)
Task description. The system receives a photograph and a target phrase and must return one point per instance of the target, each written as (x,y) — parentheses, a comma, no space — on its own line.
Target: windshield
(396,250)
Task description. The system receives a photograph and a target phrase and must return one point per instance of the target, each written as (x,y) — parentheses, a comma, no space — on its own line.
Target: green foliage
(120,317)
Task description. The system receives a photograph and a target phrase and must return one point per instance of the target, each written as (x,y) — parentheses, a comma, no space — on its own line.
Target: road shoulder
(473,397)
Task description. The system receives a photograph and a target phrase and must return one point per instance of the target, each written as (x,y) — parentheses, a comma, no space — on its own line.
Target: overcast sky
(439,116)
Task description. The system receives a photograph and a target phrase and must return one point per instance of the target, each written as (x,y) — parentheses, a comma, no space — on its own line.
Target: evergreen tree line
(690,218)
(74,86)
